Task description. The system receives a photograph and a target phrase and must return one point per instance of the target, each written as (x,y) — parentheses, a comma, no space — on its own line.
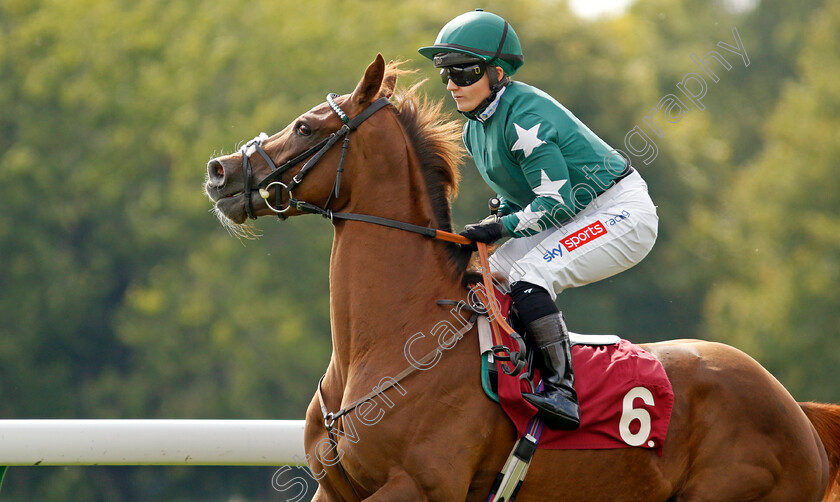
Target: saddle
(624,394)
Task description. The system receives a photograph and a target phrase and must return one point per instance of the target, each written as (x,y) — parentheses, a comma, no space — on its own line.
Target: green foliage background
(122,297)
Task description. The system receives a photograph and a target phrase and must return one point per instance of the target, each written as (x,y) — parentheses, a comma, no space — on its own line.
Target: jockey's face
(468,98)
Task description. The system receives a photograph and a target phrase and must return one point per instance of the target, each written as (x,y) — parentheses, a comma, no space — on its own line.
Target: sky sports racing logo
(584,235)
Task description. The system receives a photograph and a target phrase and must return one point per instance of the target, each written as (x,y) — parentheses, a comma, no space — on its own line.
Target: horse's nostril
(216,171)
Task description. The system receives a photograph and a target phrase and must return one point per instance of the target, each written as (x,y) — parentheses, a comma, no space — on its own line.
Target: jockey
(576,210)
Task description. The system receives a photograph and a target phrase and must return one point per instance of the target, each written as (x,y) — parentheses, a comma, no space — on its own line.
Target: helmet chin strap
(495,85)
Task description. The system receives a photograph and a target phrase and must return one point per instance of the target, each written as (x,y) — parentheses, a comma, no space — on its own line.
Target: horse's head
(303,162)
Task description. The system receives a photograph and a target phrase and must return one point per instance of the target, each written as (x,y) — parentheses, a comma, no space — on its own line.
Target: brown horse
(735,434)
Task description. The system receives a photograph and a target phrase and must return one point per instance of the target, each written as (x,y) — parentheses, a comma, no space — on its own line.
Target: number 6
(629,414)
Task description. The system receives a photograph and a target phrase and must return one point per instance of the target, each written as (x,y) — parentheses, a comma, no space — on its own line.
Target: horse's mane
(436,138)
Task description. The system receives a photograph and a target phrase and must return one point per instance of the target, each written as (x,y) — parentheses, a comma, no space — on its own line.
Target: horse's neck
(384,284)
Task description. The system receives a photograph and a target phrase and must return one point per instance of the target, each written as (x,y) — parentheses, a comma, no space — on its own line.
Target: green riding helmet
(474,36)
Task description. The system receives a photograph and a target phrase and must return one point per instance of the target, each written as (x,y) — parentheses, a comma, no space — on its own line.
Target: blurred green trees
(121,296)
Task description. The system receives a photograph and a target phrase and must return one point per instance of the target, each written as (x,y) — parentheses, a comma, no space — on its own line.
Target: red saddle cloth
(625,399)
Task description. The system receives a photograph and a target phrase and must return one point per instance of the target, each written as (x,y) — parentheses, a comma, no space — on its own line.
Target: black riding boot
(558,404)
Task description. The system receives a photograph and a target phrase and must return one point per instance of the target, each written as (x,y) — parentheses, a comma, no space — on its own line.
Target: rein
(434,233)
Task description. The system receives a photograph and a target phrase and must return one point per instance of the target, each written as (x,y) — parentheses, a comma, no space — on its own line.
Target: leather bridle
(315,152)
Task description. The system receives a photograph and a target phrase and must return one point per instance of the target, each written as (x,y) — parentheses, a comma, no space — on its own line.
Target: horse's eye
(303,129)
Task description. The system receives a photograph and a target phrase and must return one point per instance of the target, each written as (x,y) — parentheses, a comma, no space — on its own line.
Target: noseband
(315,152)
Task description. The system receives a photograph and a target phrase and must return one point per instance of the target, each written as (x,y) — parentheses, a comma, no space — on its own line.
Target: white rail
(151,442)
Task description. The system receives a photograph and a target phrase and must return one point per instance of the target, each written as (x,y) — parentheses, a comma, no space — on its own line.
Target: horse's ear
(389,83)
(368,88)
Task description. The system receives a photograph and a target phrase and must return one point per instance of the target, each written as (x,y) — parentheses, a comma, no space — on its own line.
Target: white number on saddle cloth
(630,414)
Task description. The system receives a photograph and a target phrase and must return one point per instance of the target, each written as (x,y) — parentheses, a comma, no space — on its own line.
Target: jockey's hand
(487,232)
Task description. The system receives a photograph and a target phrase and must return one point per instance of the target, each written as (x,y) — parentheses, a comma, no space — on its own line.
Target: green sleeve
(535,148)
(507,207)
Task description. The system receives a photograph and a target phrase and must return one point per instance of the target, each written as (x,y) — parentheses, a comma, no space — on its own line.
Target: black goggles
(463,76)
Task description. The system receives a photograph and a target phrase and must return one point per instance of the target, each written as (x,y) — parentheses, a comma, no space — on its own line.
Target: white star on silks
(527,139)
(550,188)
(529,220)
